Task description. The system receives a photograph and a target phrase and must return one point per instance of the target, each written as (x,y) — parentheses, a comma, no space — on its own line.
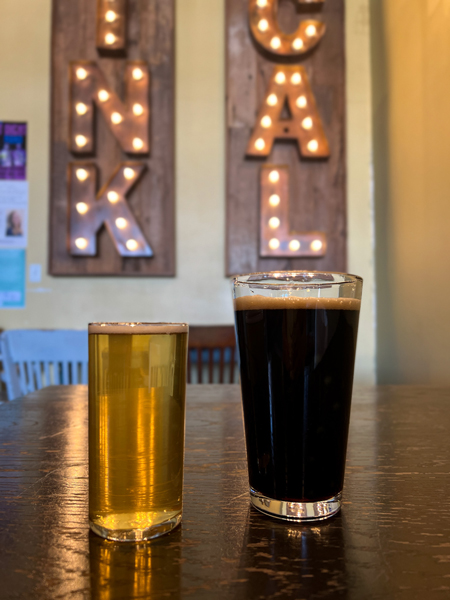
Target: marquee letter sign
(112,190)
(286,135)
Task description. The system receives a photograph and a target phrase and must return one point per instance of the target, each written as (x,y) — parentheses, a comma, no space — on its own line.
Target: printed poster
(12,278)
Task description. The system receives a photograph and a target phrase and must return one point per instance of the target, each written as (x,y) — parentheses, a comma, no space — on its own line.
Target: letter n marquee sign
(286,173)
(112,141)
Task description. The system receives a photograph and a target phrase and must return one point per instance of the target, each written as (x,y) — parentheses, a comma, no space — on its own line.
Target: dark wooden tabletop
(391,540)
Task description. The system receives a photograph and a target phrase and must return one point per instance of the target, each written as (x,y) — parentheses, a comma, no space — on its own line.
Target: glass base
(296,511)
(137,535)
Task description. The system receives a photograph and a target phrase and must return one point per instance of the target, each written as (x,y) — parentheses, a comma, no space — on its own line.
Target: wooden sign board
(285,135)
(112,139)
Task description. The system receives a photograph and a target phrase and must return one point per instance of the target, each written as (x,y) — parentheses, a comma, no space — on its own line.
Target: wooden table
(391,540)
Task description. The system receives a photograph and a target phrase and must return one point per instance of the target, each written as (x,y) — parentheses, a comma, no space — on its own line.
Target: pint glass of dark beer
(137,388)
(296,333)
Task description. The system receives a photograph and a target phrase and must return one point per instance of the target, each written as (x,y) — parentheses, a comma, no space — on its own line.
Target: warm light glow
(81,108)
(266,122)
(263,25)
(82,174)
(80,140)
(294,245)
(297,44)
(132,245)
(307,123)
(103,95)
(316,245)
(301,101)
(110,38)
(274,176)
(138,144)
(313,146)
(121,223)
(81,243)
(261,3)
(138,74)
(82,73)
(274,200)
(110,16)
(275,42)
(128,173)
(274,222)
(260,144)
(272,100)
(296,79)
(138,109)
(311,30)
(274,244)
(116,118)
(280,78)
(82,208)
(112,196)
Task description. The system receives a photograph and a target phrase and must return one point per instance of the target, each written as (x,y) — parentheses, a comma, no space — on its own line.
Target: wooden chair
(33,359)
(212,349)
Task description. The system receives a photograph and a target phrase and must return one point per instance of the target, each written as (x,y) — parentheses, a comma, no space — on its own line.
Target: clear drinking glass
(137,389)
(297,334)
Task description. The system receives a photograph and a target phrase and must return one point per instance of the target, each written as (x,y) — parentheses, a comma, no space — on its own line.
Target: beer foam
(258,302)
(138,328)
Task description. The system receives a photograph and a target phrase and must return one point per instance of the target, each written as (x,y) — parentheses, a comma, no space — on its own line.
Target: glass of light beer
(137,389)
(296,334)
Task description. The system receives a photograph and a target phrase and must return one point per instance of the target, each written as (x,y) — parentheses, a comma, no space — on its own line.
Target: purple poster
(13,151)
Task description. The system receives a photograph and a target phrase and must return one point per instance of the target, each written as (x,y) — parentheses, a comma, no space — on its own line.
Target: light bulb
(275,42)
(80,140)
(138,144)
(261,3)
(311,30)
(274,223)
(82,73)
(301,102)
(297,44)
(110,16)
(272,100)
(296,79)
(103,95)
(138,109)
(274,244)
(132,245)
(263,25)
(274,200)
(307,123)
(316,245)
(274,176)
(266,122)
(82,208)
(294,245)
(128,173)
(280,77)
(81,108)
(116,118)
(82,174)
(138,74)
(112,196)
(260,144)
(81,243)
(121,223)
(110,38)
(313,146)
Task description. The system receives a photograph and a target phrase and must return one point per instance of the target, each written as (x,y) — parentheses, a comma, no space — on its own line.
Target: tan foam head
(138,328)
(258,302)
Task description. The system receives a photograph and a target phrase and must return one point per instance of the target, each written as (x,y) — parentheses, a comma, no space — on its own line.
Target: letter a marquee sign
(285,135)
(112,167)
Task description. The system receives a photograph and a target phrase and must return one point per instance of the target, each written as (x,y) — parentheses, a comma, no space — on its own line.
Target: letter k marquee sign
(286,173)
(112,163)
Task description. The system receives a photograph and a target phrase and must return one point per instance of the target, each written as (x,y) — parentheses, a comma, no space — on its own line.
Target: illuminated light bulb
(274,200)
(81,108)
(280,78)
(307,123)
(294,245)
(128,173)
(112,196)
(110,16)
(311,30)
(138,144)
(261,3)
(81,243)
(80,140)
(121,223)
(138,109)
(274,223)
(316,245)
(274,176)
(266,122)
(296,79)
(116,118)
(138,74)
(132,245)
(82,174)
(313,146)
(275,43)
(274,244)
(301,102)
(263,25)
(82,73)
(103,96)
(272,100)
(110,38)
(260,144)
(297,44)
(82,208)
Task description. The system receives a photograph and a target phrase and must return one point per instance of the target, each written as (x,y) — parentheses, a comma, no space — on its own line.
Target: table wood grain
(391,540)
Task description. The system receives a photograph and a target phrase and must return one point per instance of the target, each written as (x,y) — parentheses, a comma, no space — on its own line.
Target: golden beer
(137,388)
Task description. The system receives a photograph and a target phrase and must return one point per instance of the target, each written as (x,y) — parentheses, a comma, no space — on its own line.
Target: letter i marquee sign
(285,135)
(112,165)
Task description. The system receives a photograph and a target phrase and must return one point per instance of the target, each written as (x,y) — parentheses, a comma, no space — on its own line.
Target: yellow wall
(200,293)
(411,98)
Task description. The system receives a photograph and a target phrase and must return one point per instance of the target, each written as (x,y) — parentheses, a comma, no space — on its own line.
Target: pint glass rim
(310,279)
(111,327)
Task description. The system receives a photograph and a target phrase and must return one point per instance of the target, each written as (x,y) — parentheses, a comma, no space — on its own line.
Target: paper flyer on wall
(12,278)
